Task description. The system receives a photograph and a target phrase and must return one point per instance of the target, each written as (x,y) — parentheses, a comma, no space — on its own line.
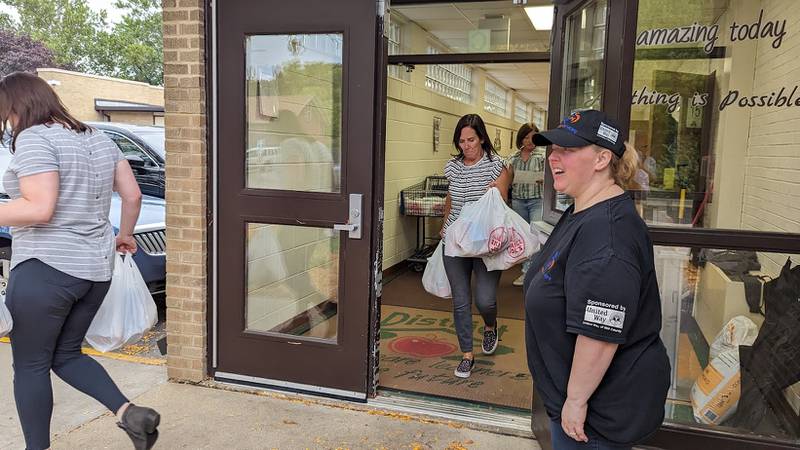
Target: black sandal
(141,425)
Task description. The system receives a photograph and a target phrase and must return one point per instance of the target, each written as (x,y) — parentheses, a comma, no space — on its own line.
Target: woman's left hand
(573,416)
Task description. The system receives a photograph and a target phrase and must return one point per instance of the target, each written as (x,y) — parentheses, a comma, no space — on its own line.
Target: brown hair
(475,122)
(525,130)
(624,169)
(33,102)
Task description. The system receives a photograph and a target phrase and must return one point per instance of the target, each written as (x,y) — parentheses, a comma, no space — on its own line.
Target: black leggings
(51,312)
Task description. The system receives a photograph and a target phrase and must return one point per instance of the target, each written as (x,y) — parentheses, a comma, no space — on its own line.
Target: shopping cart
(424,199)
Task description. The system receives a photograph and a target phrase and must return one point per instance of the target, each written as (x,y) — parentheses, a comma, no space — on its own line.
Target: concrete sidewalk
(71,409)
(199,417)
(202,417)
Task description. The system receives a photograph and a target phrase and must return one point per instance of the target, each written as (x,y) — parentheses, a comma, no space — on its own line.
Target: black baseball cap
(582,128)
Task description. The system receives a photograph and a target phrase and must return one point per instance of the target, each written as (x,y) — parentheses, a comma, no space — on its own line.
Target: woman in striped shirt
(60,181)
(473,170)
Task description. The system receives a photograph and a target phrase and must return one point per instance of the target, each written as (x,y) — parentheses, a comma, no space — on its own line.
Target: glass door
(296,102)
(593,50)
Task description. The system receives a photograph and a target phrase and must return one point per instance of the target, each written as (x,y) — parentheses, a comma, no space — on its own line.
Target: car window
(155,139)
(129,148)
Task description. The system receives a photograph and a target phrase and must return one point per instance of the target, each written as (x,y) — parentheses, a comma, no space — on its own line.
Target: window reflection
(294,108)
(584,53)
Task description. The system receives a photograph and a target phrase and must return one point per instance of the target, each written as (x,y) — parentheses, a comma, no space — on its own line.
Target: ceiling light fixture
(541,17)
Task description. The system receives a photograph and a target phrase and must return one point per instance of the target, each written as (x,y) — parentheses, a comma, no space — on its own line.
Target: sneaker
(519,281)
(140,424)
(489,341)
(464,369)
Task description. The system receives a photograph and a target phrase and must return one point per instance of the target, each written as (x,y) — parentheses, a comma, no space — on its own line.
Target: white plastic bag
(738,331)
(521,243)
(715,394)
(6,322)
(541,236)
(434,279)
(127,312)
(480,228)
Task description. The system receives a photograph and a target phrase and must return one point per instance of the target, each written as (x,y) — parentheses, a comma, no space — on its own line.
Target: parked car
(143,147)
(149,233)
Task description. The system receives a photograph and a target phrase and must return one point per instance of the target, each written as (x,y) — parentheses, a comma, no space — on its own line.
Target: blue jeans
(561,441)
(459,273)
(530,210)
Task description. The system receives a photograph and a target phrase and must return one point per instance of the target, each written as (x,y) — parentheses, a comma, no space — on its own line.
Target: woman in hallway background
(526,168)
(470,173)
(60,181)
(592,304)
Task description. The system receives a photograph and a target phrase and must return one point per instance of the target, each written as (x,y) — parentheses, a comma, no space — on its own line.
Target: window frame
(617,98)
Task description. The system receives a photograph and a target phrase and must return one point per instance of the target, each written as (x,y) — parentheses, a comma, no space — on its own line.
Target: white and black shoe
(489,341)
(464,369)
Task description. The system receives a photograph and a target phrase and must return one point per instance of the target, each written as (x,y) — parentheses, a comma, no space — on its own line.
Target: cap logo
(574,117)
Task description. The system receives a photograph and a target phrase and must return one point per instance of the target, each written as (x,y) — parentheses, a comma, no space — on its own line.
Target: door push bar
(354,220)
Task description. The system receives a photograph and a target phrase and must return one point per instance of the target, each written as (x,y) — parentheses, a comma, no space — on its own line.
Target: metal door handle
(345,226)
(353,225)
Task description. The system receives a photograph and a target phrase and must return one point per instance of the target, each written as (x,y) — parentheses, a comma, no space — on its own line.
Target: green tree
(83,39)
(6,22)
(137,42)
(70,28)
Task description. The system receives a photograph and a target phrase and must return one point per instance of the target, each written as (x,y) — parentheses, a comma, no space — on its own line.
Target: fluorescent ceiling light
(541,17)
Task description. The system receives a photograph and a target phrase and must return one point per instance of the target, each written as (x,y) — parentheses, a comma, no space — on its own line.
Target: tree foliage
(137,42)
(23,54)
(83,39)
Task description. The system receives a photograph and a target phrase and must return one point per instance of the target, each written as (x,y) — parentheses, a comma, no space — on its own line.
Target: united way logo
(549,265)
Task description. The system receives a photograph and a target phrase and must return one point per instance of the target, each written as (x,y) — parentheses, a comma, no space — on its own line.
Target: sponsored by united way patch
(604,315)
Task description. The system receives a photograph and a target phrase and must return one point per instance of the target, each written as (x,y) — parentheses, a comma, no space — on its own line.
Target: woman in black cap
(593,311)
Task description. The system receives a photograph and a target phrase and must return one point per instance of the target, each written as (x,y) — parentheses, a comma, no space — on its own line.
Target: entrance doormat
(419,352)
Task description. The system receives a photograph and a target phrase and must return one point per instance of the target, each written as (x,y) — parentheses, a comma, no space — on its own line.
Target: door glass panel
(292,280)
(730,330)
(584,61)
(294,109)
(714,119)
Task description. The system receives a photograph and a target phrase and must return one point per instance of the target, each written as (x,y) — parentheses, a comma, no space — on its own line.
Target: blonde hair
(624,169)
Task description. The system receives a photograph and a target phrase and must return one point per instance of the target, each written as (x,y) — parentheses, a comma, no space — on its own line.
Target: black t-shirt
(595,277)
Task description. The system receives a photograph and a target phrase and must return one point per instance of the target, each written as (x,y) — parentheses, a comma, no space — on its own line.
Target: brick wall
(187,240)
(772,163)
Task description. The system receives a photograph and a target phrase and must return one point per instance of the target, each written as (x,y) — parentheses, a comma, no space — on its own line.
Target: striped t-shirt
(79,239)
(535,163)
(469,183)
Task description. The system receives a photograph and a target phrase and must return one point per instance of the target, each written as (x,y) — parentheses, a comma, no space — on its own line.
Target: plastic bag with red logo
(521,244)
(480,228)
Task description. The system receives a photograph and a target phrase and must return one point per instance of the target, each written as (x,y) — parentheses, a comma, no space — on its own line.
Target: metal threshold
(483,417)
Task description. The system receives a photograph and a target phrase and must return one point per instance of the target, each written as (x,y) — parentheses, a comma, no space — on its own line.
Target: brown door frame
(617,75)
(340,368)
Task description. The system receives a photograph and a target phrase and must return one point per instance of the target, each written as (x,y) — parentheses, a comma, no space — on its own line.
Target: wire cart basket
(424,199)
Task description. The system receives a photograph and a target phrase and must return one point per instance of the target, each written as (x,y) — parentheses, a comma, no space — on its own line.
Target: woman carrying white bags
(470,174)
(60,182)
